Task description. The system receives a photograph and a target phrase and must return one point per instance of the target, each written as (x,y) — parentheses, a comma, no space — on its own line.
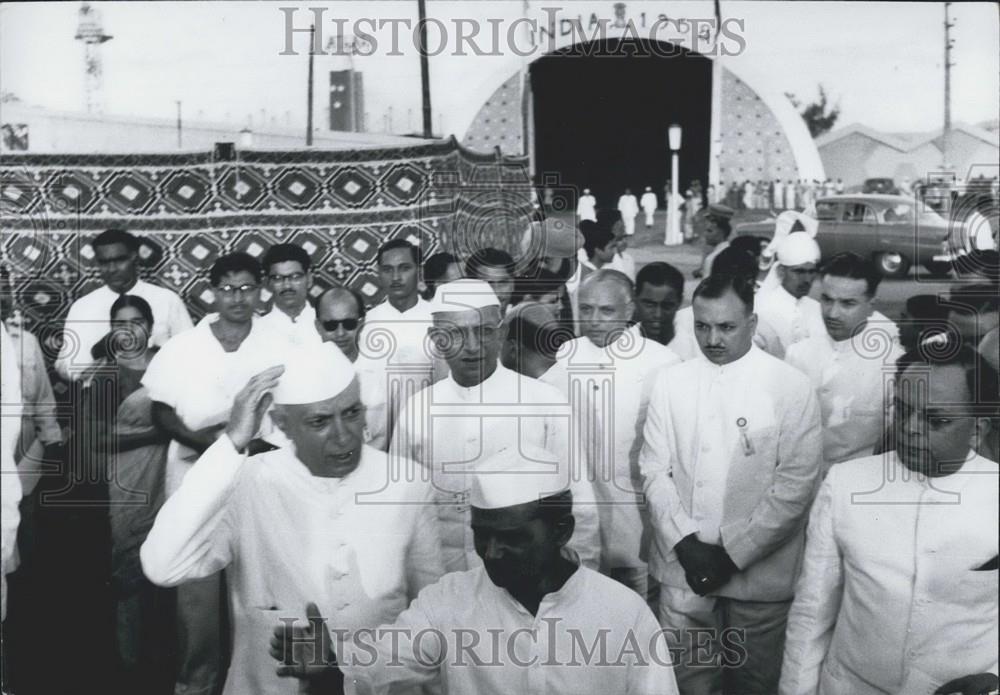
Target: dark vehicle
(893,230)
(886,186)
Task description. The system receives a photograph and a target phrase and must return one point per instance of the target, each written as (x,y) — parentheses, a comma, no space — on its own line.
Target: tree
(819,115)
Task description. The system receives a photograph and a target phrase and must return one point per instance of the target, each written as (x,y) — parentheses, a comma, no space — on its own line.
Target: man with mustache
(851,364)
(116,253)
(479,408)
(288,277)
(787,308)
(192,382)
(898,591)
(528,619)
(731,459)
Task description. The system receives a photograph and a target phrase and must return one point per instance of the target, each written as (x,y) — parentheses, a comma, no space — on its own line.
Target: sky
(881,61)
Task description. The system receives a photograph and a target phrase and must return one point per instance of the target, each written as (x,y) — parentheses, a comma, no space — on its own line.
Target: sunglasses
(334,324)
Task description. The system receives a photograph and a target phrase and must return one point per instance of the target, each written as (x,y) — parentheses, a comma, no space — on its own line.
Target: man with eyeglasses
(310,522)
(481,407)
(340,315)
(116,253)
(288,277)
(192,382)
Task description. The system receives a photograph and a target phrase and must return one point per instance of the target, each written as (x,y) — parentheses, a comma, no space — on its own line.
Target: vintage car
(893,230)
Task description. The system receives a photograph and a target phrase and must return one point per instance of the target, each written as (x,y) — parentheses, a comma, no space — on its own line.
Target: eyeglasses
(291,277)
(231,290)
(334,324)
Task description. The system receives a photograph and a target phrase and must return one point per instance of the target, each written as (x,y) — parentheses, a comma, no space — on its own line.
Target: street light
(674,235)
(246,138)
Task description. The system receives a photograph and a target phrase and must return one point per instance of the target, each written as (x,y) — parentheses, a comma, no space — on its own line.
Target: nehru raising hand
(298,523)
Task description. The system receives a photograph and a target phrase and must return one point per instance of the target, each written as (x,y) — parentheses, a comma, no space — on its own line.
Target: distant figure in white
(648,204)
(586,207)
(628,206)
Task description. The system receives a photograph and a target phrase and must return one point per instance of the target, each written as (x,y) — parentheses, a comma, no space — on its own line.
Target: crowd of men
(539,475)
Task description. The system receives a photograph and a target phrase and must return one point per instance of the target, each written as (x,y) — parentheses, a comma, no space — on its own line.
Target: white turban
(519,474)
(798,248)
(313,373)
(463,295)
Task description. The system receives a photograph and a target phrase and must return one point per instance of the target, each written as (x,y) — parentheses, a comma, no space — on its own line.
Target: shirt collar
(741,366)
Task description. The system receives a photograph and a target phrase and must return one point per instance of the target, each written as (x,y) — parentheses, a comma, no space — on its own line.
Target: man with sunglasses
(288,277)
(340,315)
(481,407)
(116,254)
(192,382)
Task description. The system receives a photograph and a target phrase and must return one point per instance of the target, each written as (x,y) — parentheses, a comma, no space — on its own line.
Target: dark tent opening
(601,112)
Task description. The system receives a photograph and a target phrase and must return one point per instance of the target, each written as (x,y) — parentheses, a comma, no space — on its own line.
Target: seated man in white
(528,619)
(314,521)
(898,591)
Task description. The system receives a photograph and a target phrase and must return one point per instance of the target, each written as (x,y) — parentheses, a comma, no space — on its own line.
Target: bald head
(340,313)
(606,305)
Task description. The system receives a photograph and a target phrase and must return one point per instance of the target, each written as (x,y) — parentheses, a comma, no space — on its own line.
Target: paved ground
(647,246)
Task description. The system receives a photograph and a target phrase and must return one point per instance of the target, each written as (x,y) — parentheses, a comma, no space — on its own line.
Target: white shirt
(853,381)
(300,330)
(375,397)
(628,206)
(358,548)
(10,430)
(648,201)
(89,320)
(615,382)
(625,263)
(586,208)
(450,430)
(196,377)
(517,652)
(889,600)
(732,453)
(790,319)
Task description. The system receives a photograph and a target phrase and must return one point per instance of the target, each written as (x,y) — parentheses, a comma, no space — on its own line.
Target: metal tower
(91,33)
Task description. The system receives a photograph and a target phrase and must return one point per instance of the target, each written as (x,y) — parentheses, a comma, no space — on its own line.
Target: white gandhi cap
(798,248)
(463,295)
(517,475)
(313,373)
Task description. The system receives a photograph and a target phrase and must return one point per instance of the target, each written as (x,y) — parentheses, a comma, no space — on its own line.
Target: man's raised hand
(249,406)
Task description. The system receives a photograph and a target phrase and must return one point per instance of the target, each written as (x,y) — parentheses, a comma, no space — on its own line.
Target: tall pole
(309,93)
(425,75)
(946,134)
(179,126)
(675,221)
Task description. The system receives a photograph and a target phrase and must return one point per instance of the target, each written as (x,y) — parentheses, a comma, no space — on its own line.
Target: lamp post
(673,222)
(246,138)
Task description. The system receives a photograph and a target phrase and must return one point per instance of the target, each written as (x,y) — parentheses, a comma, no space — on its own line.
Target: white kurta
(624,263)
(89,319)
(375,396)
(493,646)
(361,547)
(732,453)
(10,430)
(298,331)
(398,340)
(889,600)
(853,381)
(451,430)
(586,208)
(615,384)
(196,377)
(789,318)
(648,202)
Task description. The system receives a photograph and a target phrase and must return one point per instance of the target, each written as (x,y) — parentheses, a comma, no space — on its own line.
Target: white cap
(463,295)
(517,475)
(798,248)
(313,373)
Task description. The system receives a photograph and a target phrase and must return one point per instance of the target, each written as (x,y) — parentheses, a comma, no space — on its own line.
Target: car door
(828,235)
(857,229)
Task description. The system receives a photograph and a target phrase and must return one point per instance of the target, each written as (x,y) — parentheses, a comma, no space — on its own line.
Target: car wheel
(892,264)
(938,269)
